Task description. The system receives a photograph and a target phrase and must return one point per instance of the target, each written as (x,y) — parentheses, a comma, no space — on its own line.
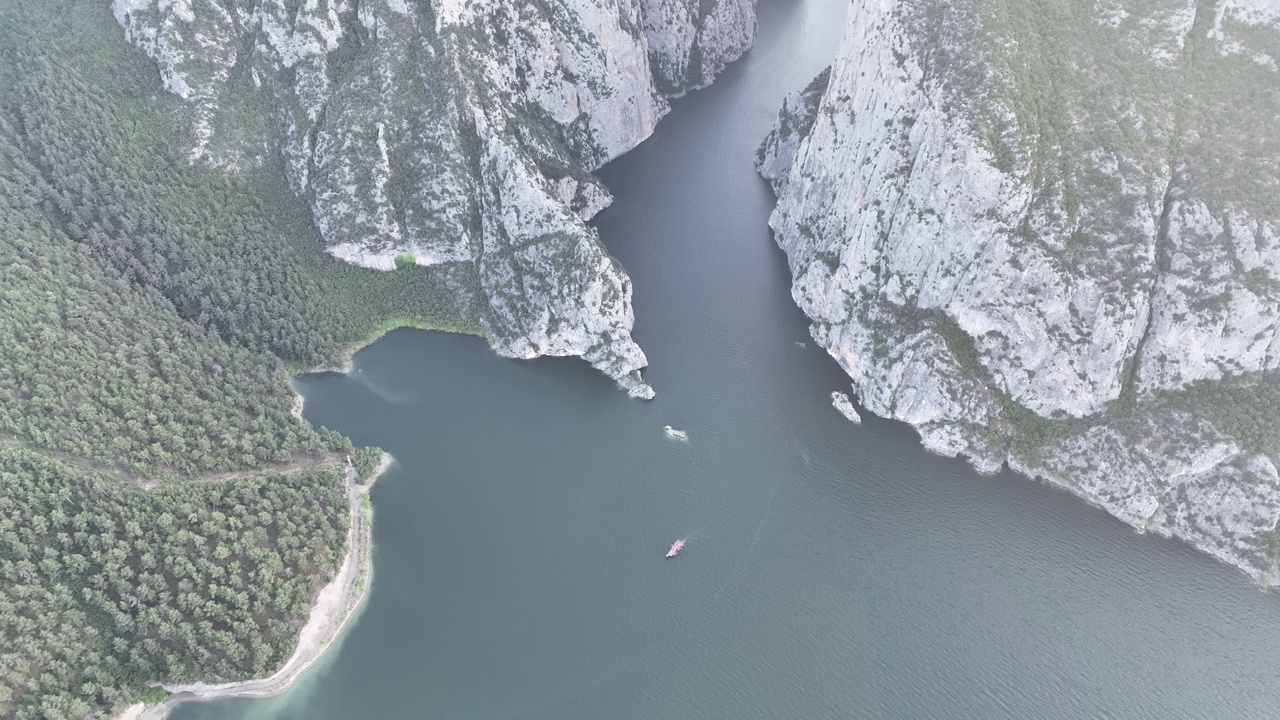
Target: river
(832,571)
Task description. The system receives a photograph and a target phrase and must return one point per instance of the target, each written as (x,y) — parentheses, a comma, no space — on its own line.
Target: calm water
(832,571)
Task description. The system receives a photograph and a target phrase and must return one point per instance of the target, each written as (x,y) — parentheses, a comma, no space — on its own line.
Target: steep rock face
(1048,234)
(690,41)
(451,132)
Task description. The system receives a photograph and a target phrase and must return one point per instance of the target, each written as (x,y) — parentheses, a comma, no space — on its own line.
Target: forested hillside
(151,312)
(105,585)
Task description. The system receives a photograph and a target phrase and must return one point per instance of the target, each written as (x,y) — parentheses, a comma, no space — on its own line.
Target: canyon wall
(1047,235)
(452,133)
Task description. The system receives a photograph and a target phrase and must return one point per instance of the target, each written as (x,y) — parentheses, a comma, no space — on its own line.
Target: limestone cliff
(1048,234)
(451,132)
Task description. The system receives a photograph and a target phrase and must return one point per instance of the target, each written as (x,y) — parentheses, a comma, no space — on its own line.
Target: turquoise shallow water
(832,571)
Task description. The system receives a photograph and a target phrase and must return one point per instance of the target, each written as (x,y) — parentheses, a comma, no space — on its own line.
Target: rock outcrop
(841,402)
(451,132)
(1047,234)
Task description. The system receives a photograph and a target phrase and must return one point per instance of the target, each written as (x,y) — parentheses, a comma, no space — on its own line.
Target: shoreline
(345,362)
(336,605)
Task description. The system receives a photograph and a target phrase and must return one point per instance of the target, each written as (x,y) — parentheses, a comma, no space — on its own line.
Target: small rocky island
(841,402)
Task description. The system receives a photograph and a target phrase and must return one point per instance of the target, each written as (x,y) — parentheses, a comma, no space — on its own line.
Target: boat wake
(751,546)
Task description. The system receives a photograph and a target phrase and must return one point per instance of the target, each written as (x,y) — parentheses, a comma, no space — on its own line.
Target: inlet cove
(707,359)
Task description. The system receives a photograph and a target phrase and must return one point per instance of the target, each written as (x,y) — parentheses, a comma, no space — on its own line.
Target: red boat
(676,547)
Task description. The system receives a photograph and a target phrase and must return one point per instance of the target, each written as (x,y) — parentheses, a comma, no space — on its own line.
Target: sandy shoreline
(337,603)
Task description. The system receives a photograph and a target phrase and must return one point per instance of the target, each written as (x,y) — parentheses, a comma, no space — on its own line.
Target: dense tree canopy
(162,515)
(104,585)
(104,368)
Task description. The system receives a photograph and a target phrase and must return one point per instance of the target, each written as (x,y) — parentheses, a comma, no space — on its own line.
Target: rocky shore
(1049,249)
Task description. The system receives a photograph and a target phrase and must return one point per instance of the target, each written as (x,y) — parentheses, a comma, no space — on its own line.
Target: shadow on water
(832,571)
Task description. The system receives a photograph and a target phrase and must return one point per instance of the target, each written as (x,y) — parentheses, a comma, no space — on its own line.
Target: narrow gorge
(1041,238)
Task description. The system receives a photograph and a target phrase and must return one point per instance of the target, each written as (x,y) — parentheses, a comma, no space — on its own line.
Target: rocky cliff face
(1048,234)
(451,132)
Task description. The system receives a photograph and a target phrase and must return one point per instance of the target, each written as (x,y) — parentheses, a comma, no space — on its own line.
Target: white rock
(840,401)
(467,141)
(1026,275)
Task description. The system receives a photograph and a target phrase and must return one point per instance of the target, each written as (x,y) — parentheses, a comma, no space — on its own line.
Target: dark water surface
(832,571)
